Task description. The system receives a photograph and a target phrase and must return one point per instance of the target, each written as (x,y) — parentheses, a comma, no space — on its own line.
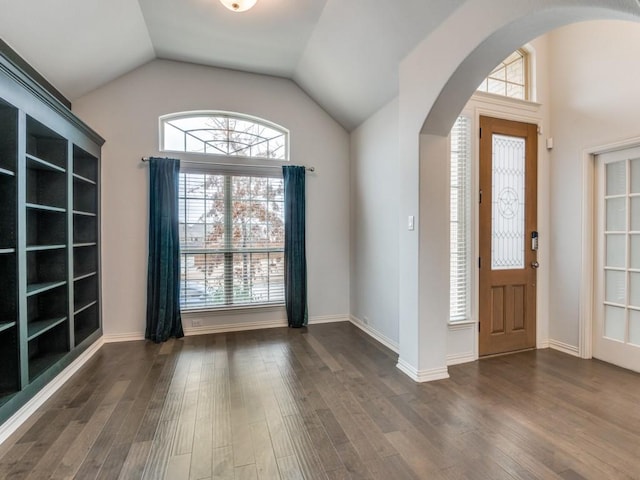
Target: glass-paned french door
(617,302)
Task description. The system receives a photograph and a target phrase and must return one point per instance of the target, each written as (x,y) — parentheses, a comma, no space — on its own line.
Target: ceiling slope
(77,45)
(350,64)
(343,53)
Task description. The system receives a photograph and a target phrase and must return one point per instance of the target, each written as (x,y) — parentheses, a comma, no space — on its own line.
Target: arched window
(231,214)
(510,78)
(223,133)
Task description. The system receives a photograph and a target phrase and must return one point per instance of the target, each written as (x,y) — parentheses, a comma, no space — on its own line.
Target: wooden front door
(508,218)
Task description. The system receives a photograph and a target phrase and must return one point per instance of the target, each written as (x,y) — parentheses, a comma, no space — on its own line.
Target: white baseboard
(232,327)
(29,408)
(240,327)
(122,337)
(225,327)
(564,348)
(421,376)
(458,358)
(542,344)
(372,332)
(328,319)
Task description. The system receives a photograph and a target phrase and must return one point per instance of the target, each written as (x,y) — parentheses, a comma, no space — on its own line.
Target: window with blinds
(231,239)
(460,215)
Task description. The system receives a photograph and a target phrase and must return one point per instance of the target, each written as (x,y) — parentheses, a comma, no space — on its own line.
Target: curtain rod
(309,169)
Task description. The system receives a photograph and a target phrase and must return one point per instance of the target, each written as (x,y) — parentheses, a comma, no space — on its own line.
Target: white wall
(125,112)
(595,101)
(374,235)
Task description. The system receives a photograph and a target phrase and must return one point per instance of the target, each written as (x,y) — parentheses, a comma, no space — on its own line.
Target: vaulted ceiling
(343,53)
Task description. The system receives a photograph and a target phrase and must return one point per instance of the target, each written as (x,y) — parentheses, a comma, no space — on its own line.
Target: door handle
(535,264)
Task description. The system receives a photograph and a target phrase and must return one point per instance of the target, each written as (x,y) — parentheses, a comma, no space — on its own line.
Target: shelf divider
(38,327)
(36,162)
(6,325)
(36,288)
(83,276)
(84,179)
(84,307)
(47,208)
(39,248)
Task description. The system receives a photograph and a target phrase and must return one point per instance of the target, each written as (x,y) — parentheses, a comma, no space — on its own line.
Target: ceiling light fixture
(238,5)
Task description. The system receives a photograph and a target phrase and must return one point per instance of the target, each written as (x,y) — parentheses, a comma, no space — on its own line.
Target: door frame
(589,227)
(462,337)
(527,274)
(525,112)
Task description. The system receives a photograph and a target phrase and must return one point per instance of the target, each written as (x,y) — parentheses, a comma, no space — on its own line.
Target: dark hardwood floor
(327,403)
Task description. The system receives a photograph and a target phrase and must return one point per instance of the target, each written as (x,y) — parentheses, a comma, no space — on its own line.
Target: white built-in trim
(564,348)
(458,358)
(122,337)
(29,408)
(422,375)
(375,334)
(540,344)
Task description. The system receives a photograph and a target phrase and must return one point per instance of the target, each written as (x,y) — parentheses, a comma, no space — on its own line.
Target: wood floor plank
(266,465)
(327,402)
(289,468)
(134,464)
(178,467)
(223,463)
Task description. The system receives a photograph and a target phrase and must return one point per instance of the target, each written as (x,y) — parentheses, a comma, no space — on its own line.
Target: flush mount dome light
(238,5)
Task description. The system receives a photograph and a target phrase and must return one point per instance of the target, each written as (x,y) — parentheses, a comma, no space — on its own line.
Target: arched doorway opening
(423,158)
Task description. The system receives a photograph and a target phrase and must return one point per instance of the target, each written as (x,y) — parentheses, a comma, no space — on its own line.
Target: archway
(423,151)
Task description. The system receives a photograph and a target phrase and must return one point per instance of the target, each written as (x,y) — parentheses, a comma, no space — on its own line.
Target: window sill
(219,311)
(461,324)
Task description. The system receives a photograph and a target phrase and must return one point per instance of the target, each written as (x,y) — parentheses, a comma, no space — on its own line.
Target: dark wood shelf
(39,364)
(5,396)
(6,325)
(40,164)
(38,327)
(39,248)
(47,208)
(87,214)
(83,179)
(36,288)
(85,275)
(84,307)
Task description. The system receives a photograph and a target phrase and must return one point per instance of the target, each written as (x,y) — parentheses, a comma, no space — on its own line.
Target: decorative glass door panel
(508,189)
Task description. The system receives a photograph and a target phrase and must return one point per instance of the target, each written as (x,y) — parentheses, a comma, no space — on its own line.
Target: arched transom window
(509,78)
(223,133)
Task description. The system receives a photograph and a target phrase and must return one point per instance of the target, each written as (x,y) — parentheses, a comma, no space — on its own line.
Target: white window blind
(231,239)
(460,220)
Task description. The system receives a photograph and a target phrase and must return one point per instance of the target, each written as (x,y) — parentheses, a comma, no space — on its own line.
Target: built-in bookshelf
(49,237)
(9,340)
(85,244)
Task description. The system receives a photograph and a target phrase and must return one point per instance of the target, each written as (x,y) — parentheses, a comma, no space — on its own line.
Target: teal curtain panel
(295,257)
(163,280)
